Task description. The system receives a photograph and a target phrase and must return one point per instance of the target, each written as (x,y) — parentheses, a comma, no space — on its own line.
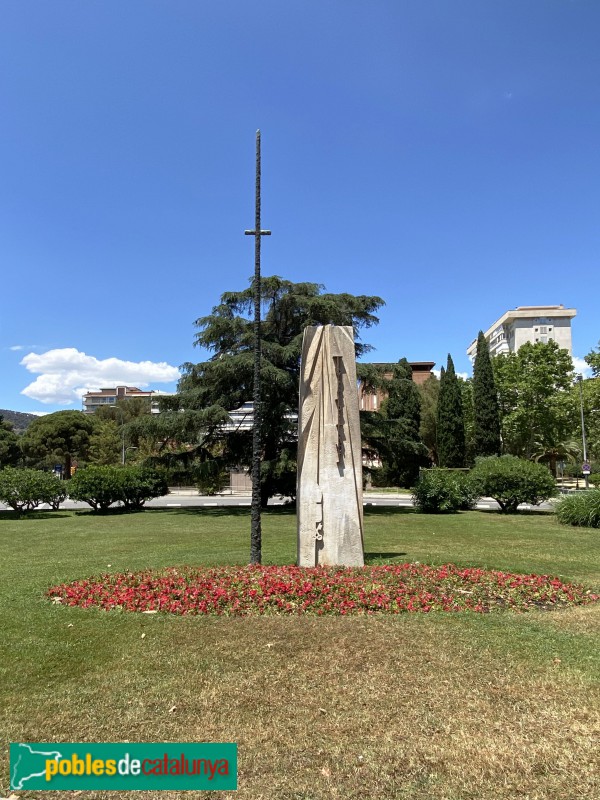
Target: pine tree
(196,421)
(451,425)
(486,427)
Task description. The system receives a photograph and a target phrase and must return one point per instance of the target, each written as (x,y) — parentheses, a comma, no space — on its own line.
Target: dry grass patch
(583,620)
(378,708)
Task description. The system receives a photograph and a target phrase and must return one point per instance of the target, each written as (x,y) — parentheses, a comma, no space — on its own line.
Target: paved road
(182,499)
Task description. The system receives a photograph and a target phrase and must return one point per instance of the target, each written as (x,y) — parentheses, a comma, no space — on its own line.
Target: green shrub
(101,486)
(470,494)
(53,490)
(98,486)
(210,477)
(26,489)
(441,491)
(512,481)
(581,508)
(379,477)
(139,484)
(594,479)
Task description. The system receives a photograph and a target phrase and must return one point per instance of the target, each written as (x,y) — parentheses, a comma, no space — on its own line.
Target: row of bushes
(508,479)
(99,487)
(26,489)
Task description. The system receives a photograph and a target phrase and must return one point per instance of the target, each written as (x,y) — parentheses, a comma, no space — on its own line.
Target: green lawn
(422,706)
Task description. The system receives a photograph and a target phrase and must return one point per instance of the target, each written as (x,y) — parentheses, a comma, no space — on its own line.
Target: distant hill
(19,420)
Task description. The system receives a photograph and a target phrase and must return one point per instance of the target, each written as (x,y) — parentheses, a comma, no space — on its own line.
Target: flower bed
(254,590)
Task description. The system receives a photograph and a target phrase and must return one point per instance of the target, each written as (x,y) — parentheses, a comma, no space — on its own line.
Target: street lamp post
(579,380)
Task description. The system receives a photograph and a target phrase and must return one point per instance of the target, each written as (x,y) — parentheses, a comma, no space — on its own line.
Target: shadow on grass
(378,511)
(225,511)
(533,512)
(376,558)
(11,516)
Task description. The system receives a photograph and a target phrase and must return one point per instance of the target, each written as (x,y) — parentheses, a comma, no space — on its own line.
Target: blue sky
(443,154)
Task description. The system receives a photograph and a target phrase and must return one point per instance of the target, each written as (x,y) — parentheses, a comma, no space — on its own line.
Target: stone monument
(329,492)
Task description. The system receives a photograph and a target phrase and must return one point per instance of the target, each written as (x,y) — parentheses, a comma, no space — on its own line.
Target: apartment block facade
(528,324)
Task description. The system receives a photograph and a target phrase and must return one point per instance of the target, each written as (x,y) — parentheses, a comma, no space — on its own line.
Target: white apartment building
(528,324)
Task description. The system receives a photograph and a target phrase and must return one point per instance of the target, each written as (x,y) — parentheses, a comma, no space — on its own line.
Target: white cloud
(581,366)
(17,347)
(65,374)
(464,375)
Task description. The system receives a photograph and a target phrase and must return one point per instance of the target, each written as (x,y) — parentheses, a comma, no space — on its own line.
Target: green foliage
(450,420)
(393,433)
(124,410)
(105,447)
(139,484)
(589,391)
(429,392)
(486,411)
(512,481)
(64,435)
(125,423)
(26,489)
(195,424)
(98,486)
(537,405)
(466,396)
(210,477)
(379,477)
(441,491)
(581,509)
(10,451)
(101,486)
(593,360)
(594,479)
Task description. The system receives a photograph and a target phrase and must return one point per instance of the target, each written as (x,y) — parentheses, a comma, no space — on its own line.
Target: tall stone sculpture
(329,497)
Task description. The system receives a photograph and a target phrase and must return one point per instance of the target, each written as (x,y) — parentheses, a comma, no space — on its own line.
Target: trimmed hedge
(581,509)
(26,489)
(101,486)
(512,481)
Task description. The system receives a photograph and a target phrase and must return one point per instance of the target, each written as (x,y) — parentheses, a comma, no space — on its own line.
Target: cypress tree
(451,424)
(403,399)
(486,427)
(401,449)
